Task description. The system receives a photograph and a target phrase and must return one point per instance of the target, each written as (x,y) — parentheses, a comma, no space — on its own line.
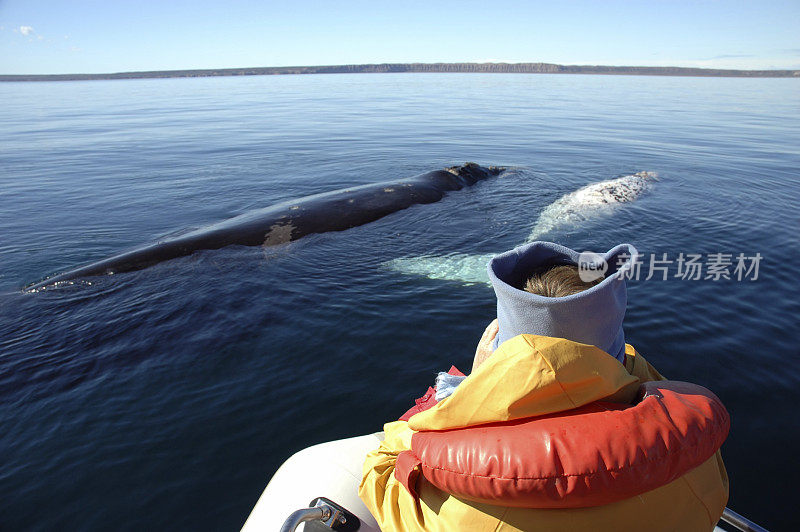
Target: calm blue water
(166,398)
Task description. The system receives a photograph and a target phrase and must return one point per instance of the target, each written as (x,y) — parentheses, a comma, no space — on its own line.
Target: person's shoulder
(640,368)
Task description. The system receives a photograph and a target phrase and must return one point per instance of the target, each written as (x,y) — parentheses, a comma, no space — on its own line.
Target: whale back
(338,210)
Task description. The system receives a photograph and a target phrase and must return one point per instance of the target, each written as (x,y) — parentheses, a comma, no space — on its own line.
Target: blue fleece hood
(593,316)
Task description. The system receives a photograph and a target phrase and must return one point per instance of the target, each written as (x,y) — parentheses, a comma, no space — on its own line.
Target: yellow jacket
(532,376)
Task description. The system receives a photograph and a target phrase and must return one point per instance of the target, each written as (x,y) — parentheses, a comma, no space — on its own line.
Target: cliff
(515,68)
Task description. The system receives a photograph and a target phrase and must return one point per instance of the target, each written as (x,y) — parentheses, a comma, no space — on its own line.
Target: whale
(587,203)
(590,202)
(284,222)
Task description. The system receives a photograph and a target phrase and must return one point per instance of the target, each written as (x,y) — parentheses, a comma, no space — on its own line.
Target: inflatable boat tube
(332,470)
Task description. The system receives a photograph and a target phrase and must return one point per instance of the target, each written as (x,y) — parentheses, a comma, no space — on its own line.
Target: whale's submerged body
(288,221)
(589,202)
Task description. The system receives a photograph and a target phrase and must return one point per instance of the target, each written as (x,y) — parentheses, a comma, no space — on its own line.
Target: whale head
(471,173)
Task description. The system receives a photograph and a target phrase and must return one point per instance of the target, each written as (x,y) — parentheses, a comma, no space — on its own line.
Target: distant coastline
(482,68)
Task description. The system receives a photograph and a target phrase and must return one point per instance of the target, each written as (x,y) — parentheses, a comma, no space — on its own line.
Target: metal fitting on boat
(325,514)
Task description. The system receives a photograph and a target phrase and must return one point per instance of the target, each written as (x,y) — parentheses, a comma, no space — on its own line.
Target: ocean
(166,398)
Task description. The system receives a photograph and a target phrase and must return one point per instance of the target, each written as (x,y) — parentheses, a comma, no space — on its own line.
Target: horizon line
(441,67)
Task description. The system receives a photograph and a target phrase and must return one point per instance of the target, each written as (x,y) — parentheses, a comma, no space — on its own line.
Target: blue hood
(593,316)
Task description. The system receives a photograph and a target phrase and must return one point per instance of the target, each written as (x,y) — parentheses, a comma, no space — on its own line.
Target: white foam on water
(570,210)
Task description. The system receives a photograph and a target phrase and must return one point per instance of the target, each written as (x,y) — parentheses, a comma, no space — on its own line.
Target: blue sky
(48,36)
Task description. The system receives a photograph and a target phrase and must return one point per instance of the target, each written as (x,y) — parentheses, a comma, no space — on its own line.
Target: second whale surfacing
(570,210)
(330,211)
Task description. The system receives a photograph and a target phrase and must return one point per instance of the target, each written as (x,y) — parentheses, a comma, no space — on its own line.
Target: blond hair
(558,281)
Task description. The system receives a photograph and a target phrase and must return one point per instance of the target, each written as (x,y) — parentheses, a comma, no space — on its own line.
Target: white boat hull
(332,470)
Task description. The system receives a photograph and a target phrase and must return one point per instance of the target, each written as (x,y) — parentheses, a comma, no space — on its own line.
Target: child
(561,425)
